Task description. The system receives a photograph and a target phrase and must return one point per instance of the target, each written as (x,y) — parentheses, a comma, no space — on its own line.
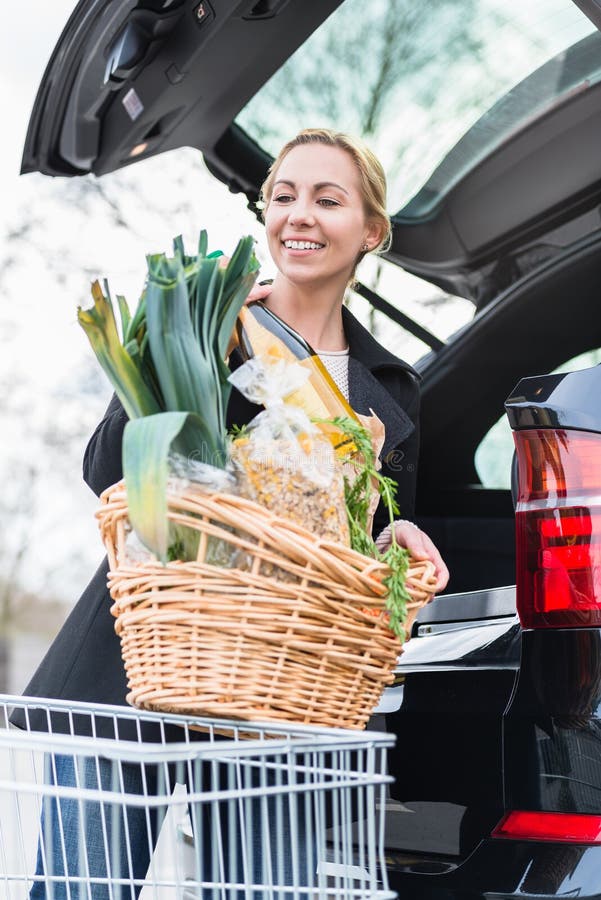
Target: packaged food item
(283,461)
(263,335)
(187,477)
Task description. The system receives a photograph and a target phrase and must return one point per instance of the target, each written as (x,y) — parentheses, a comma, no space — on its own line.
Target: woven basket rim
(116,495)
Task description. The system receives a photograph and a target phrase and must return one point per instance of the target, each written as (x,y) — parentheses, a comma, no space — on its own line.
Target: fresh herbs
(357,496)
(169,369)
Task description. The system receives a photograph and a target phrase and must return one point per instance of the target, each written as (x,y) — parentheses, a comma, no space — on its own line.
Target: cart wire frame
(228,810)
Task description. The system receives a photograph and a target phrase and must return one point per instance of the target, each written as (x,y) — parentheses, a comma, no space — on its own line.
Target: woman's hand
(419,545)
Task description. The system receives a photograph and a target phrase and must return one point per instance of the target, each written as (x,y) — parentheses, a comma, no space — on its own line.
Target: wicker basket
(299,634)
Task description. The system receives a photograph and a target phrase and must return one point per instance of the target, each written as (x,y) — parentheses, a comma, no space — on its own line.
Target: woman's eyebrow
(323,184)
(318,187)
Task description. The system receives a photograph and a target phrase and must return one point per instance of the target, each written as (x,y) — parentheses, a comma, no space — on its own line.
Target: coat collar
(364,347)
(366,393)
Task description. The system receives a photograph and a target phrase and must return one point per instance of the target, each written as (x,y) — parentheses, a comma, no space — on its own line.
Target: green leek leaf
(125,314)
(241,259)
(137,323)
(146,445)
(184,374)
(178,247)
(100,326)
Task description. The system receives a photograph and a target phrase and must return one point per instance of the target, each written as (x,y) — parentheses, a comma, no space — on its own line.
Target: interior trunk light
(138,149)
(570,828)
(558,528)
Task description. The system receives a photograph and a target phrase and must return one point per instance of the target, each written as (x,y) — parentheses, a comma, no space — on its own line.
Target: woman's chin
(301,274)
(307,275)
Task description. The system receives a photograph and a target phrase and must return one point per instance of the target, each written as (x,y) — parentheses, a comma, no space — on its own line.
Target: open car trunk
(454,681)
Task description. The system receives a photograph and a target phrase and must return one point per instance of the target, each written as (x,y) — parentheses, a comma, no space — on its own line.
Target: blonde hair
(371,176)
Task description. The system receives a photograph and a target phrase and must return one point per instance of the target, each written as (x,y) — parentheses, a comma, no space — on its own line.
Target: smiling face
(315,218)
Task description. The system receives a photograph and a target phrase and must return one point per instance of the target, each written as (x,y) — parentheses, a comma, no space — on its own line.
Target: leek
(171,360)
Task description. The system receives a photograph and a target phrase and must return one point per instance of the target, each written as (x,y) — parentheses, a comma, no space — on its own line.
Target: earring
(364,247)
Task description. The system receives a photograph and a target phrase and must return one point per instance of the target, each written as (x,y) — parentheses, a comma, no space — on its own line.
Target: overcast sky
(27,38)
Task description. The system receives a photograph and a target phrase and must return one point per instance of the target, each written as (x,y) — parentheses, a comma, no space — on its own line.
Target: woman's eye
(283,198)
(327,201)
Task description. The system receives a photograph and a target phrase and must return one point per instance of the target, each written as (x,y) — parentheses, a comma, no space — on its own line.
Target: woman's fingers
(419,545)
(413,538)
(259,292)
(442,572)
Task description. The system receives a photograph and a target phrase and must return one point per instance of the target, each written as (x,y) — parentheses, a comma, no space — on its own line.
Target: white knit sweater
(336,362)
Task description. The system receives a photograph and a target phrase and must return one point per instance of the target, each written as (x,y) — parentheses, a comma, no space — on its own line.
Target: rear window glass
(412,78)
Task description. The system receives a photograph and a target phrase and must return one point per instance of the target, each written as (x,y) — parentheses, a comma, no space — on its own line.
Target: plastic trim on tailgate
(492,603)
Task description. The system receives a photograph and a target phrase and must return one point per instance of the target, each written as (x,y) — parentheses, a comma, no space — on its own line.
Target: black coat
(84,661)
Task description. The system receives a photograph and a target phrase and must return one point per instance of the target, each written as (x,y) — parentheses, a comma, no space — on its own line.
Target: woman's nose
(300,213)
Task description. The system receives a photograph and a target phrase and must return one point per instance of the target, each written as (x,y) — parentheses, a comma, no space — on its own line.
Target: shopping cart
(171,807)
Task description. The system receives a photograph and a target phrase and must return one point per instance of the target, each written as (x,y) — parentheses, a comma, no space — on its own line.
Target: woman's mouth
(302,245)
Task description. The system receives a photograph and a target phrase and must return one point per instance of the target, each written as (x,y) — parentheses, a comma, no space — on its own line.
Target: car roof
(132,79)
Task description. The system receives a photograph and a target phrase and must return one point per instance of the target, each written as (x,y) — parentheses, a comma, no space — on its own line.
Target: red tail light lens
(546,826)
(558,528)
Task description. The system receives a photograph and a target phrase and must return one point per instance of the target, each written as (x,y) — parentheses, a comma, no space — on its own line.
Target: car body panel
(557,401)
(553,725)
(191,78)
(502,869)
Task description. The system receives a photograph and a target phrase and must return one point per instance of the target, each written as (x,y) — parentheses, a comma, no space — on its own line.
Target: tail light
(558,528)
(548,826)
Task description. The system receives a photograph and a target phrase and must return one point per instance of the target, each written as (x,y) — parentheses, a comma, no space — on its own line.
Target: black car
(489,121)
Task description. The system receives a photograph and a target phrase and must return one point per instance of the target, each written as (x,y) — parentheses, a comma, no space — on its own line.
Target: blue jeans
(87,845)
(81,841)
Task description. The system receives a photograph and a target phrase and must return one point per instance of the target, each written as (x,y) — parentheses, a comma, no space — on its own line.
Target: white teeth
(302,245)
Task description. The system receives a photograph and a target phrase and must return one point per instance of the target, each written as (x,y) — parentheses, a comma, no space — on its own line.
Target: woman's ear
(374,234)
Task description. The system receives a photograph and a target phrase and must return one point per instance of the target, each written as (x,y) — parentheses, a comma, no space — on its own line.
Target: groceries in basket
(248,603)
(260,334)
(283,460)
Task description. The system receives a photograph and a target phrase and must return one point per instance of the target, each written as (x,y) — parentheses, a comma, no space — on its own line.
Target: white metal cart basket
(110,803)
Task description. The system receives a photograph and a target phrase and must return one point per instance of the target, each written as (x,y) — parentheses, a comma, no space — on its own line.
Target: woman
(328,190)
(325,209)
